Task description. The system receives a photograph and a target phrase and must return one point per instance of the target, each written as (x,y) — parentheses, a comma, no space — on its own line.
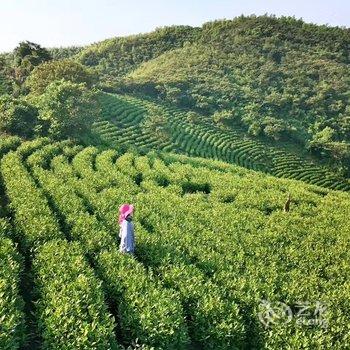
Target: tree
(27,56)
(17,116)
(66,109)
(254,129)
(276,128)
(324,136)
(5,75)
(5,84)
(27,51)
(174,94)
(47,72)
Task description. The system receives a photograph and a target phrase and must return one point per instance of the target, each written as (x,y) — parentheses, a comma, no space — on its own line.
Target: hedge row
(33,218)
(121,125)
(82,225)
(71,312)
(12,319)
(8,143)
(71,309)
(147,311)
(214,322)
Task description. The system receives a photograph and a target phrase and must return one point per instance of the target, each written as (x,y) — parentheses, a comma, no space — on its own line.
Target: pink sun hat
(124,211)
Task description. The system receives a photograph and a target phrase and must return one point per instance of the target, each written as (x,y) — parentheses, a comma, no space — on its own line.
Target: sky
(56,23)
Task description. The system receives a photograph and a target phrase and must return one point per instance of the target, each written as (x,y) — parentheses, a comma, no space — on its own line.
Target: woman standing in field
(126,233)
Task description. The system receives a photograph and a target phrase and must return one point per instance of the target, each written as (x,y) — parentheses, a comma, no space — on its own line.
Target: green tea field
(213,247)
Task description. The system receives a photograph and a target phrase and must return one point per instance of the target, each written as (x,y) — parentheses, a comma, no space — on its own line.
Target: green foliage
(62,53)
(84,226)
(324,136)
(212,239)
(281,77)
(149,313)
(31,53)
(12,328)
(114,58)
(66,109)
(8,143)
(223,117)
(193,117)
(17,116)
(202,228)
(214,321)
(276,128)
(161,325)
(43,75)
(26,56)
(34,220)
(216,248)
(122,125)
(25,149)
(71,309)
(156,123)
(284,80)
(5,84)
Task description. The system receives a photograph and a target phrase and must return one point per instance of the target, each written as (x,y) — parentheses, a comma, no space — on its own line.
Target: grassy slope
(113,58)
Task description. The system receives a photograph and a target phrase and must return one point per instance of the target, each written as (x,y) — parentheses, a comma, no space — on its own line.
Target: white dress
(127,239)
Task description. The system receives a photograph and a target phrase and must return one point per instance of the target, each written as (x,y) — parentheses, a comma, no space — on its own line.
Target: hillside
(231,140)
(277,82)
(279,78)
(214,245)
(124,124)
(113,58)
(276,88)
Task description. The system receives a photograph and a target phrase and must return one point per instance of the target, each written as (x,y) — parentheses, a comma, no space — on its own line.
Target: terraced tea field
(122,125)
(213,244)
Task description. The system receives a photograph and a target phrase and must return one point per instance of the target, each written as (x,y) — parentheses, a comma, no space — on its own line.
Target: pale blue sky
(79,22)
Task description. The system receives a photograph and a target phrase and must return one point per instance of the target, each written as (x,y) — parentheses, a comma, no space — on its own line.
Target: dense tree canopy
(30,52)
(47,72)
(113,58)
(61,53)
(17,116)
(66,109)
(27,56)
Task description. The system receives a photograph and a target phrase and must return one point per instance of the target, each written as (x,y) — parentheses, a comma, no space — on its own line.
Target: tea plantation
(215,251)
(122,124)
(231,140)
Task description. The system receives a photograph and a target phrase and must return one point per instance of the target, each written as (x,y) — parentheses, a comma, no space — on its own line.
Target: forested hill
(266,33)
(279,81)
(279,78)
(116,57)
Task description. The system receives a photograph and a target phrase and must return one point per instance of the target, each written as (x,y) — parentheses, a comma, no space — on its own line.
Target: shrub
(12,328)
(147,312)
(71,309)
(33,217)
